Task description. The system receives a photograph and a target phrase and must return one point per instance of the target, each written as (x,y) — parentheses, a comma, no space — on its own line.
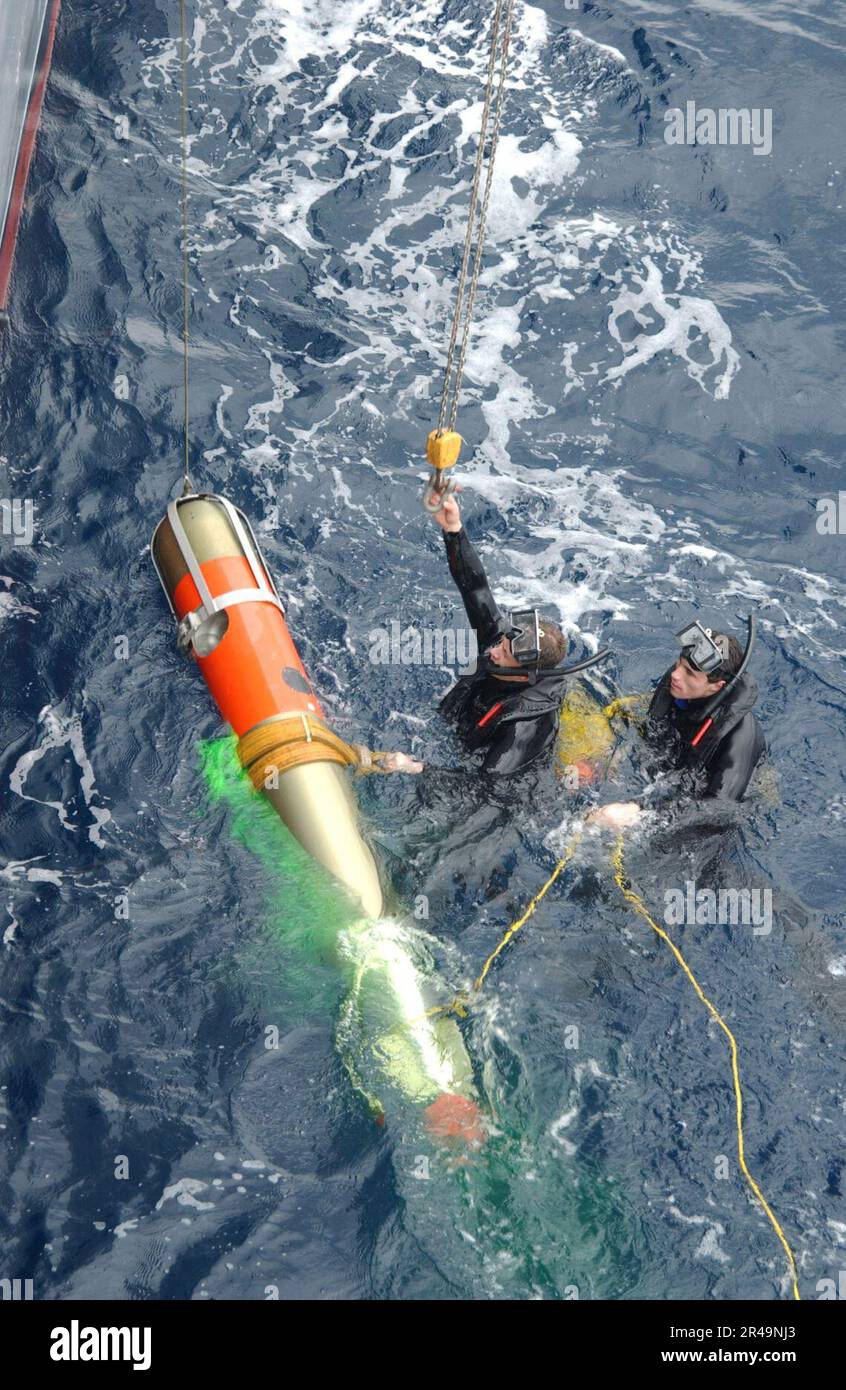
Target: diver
(507,710)
(701,716)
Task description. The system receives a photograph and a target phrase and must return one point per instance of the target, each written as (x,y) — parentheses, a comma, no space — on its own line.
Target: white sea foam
(185,1193)
(14,871)
(709,1246)
(368,190)
(402,291)
(10,605)
(63,731)
(680,314)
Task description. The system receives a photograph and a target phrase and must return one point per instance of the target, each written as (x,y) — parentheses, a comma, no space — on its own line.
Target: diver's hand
(616,816)
(449,515)
(399,762)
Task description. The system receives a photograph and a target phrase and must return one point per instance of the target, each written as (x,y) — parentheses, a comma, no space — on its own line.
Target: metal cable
(450,393)
(480,241)
(474,196)
(186,476)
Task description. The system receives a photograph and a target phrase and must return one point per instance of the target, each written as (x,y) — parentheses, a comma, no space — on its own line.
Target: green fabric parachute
(388,1028)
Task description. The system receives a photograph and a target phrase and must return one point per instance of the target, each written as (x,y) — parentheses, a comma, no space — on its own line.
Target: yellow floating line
(638,904)
(461,1002)
(513,929)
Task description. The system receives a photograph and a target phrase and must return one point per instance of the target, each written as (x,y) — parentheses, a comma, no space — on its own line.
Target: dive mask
(699,647)
(525,635)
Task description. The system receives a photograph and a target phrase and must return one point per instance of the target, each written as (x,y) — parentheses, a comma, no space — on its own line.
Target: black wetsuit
(725,758)
(513,725)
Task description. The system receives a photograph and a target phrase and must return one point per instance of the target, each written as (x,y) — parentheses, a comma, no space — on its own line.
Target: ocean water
(652,411)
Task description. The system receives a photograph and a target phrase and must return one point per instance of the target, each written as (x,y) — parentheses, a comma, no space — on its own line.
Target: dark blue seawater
(654,406)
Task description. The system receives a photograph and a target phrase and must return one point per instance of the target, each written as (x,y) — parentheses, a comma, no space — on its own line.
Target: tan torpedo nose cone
(316,804)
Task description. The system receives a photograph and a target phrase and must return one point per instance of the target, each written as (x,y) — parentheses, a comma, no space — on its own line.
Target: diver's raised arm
(469,574)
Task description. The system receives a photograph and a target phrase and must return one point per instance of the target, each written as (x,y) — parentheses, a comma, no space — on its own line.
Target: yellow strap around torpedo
(369,759)
(293,740)
(639,906)
(273,748)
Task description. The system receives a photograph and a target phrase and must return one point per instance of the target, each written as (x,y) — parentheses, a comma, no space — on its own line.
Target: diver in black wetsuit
(507,713)
(700,716)
(508,709)
(717,748)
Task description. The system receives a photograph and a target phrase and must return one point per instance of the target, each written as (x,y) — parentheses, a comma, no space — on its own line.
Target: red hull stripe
(33,116)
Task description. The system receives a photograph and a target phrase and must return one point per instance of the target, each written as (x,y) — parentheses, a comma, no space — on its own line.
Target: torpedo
(231,620)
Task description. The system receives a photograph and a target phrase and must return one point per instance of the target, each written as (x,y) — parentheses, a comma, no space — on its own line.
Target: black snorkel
(524,634)
(534,671)
(719,699)
(582,665)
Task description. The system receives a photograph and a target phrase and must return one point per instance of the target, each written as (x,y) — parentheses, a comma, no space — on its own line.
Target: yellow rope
(459,1007)
(512,930)
(460,1003)
(638,904)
